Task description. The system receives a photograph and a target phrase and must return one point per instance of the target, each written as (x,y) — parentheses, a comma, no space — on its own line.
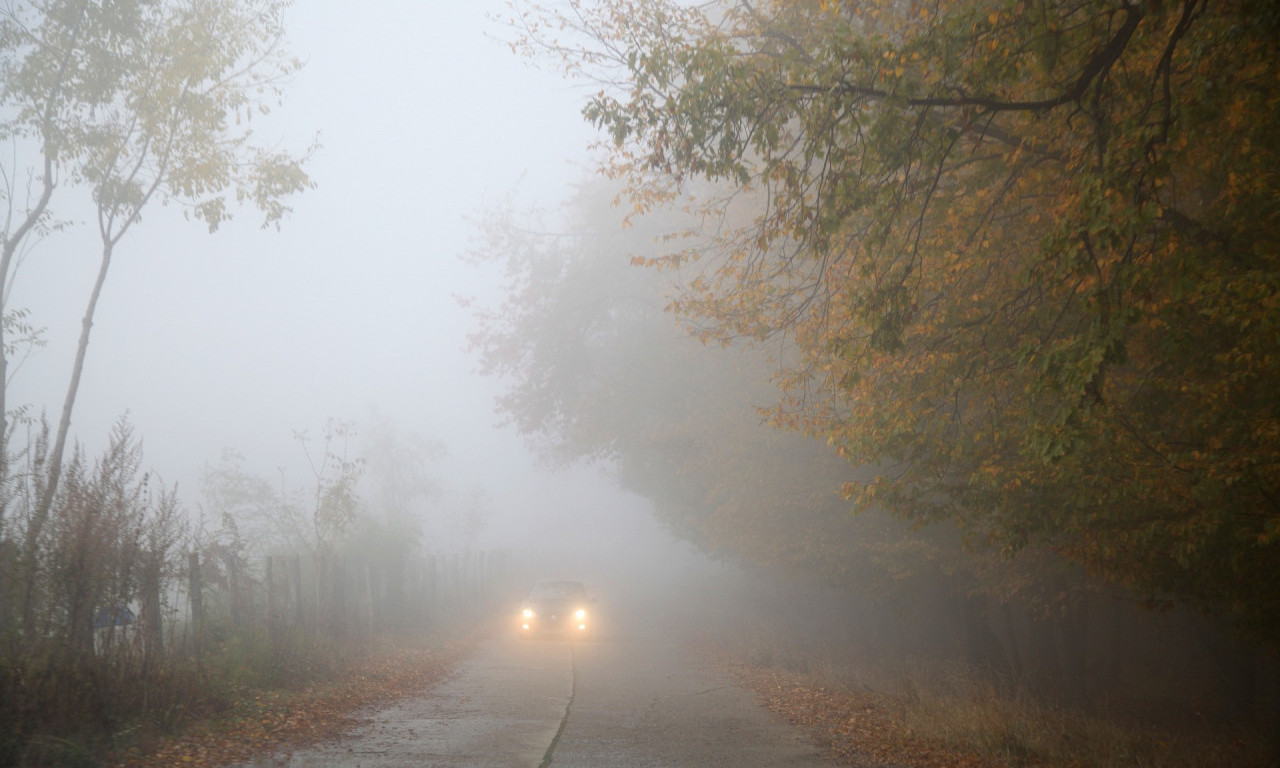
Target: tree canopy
(1025,252)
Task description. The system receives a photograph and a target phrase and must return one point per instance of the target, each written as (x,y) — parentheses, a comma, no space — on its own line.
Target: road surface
(621,699)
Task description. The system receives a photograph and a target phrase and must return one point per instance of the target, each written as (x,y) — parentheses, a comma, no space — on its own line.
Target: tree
(596,371)
(139,101)
(1026,251)
(315,516)
(399,481)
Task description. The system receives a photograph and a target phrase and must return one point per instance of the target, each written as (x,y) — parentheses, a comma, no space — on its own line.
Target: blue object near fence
(119,616)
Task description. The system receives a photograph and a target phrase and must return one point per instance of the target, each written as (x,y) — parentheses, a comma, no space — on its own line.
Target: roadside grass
(254,718)
(959,709)
(245,694)
(928,715)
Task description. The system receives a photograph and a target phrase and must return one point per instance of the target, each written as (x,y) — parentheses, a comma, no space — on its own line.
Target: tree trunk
(50,486)
(981,646)
(1013,651)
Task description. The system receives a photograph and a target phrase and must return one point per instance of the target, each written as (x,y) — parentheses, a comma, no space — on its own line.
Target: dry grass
(261,722)
(933,715)
(1017,729)
(244,698)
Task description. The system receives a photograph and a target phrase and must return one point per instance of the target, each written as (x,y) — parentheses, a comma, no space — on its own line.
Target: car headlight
(528,613)
(580,614)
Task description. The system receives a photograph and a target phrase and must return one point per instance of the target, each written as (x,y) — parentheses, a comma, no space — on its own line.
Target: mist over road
(646,702)
(631,695)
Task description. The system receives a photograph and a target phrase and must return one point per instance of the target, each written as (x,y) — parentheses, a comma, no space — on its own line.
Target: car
(555,606)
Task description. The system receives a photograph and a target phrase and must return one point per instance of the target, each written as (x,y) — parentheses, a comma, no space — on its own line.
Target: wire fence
(338,597)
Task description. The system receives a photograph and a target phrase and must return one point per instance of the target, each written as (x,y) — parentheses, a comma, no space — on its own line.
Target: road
(624,698)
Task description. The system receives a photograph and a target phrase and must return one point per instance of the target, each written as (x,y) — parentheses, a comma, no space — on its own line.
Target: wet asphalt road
(622,699)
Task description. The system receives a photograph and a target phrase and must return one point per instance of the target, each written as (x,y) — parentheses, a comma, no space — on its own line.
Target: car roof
(554,588)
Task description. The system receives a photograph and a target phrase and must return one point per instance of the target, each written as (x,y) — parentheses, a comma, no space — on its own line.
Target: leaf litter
(277,721)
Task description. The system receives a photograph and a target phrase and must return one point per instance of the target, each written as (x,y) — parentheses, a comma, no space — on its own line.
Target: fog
(351,310)
(456,302)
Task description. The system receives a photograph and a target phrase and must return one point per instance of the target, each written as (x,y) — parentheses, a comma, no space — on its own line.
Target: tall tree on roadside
(1028,250)
(595,370)
(53,114)
(143,101)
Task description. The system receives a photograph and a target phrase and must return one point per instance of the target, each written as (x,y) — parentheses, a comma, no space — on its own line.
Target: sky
(237,339)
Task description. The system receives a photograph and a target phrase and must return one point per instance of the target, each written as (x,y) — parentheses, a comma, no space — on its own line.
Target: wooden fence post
(339,595)
(432,572)
(269,581)
(324,593)
(368,592)
(237,591)
(455,580)
(152,631)
(195,588)
(297,589)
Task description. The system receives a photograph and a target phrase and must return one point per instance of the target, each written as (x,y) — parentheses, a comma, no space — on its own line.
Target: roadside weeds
(975,726)
(853,728)
(265,722)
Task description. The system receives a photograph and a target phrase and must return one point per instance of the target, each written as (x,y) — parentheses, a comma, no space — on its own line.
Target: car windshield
(558,590)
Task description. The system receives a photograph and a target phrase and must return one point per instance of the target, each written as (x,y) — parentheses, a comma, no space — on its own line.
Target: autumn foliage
(1025,252)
